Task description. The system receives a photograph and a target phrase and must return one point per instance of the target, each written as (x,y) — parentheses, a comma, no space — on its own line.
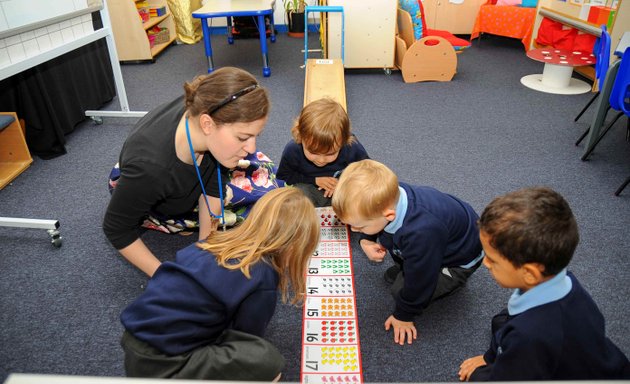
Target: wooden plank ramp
(324,78)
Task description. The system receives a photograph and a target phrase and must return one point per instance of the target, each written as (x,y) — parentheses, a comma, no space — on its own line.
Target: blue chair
(602,54)
(620,99)
(616,91)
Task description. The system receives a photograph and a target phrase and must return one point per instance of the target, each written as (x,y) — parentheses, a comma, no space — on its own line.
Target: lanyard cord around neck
(203,189)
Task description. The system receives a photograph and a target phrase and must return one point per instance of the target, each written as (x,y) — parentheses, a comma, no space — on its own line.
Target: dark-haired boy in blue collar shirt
(552,328)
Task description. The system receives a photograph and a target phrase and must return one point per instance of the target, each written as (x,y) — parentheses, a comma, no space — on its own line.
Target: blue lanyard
(203,189)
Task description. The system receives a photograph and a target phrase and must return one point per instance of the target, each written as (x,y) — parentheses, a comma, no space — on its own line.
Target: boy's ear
(389,214)
(533,274)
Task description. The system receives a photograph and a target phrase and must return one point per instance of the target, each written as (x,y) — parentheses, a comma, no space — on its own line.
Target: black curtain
(52,97)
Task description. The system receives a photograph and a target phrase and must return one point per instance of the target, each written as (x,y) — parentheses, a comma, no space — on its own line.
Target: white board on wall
(18,13)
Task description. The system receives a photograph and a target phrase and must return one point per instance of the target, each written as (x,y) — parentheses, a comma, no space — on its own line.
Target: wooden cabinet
(370,33)
(457,17)
(130,33)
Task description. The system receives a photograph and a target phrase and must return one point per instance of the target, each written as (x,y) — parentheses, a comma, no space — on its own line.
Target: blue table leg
(272,29)
(207,44)
(229,30)
(263,45)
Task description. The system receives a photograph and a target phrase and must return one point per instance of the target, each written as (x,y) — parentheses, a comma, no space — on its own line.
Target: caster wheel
(230,40)
(266,72)
(388,71)
(55,238)
(57,242)
(97,119)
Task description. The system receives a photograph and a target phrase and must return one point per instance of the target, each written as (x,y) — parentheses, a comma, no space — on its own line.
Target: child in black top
(551,329)
(322,147)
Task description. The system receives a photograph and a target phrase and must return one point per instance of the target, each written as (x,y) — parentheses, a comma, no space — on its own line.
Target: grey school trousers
(234,356)
(450,281)
(315,195)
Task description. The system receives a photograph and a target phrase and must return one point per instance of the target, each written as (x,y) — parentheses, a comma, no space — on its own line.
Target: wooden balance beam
(324,78)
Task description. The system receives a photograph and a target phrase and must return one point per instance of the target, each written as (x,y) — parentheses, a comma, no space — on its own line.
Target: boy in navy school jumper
(322,147)
(432,237)
(552,329)
(203,315)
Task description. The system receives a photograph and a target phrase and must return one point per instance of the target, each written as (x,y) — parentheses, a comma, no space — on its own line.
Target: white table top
(231,6)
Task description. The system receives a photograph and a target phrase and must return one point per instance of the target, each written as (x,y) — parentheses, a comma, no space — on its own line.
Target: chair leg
(622,186)
(587,154)
(585,108)
(582,136)
(579,140)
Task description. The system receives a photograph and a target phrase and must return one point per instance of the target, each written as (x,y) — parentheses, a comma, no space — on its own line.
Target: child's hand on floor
(326,184)
(468,367)
(403,330)
(373,250)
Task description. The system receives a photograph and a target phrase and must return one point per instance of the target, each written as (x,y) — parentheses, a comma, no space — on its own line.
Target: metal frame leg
(601,136)
(622,186)
(323,8)
(52,227)
(579,140)
(586,106)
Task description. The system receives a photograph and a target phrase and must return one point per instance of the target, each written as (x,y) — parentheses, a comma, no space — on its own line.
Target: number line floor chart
(330,334)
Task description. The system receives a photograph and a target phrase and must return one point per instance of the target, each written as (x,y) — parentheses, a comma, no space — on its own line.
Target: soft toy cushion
(455,41)
(584,42)
(413,8)
(546,31)
(530,3)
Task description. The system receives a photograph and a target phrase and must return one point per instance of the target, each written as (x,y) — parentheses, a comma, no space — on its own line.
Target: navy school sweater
(438,230)
(295,168)
(563,339)
(189,302)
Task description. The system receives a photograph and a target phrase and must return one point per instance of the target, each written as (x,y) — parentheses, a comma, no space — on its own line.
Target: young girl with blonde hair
(203,315)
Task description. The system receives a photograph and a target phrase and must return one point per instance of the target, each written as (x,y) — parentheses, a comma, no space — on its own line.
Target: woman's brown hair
(204,93)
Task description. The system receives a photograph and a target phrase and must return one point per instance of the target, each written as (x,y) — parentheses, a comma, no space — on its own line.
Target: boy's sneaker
(391,273)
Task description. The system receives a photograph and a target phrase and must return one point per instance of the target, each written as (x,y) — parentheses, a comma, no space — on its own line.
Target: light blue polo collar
(551,290)
(401,211)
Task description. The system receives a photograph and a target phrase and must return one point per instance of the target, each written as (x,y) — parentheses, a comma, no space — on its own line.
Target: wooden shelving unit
(568,14)
(130,33)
